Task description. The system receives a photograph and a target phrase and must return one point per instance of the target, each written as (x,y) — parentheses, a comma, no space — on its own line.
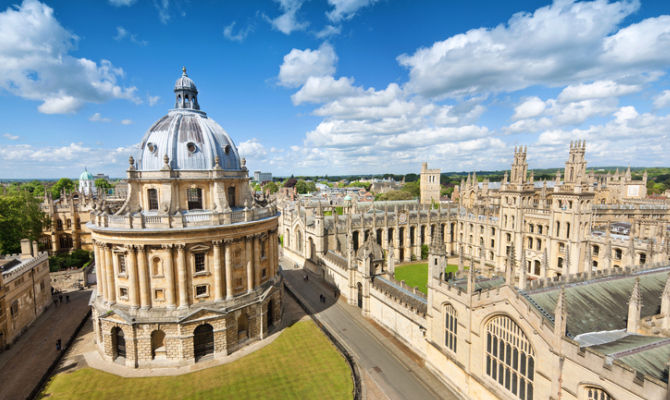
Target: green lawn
(300,364)
(417,274)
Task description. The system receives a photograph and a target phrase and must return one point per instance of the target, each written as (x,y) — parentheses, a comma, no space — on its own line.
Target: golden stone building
(188,266)
(25,290)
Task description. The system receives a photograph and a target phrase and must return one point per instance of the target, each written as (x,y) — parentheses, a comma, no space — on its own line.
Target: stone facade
(429,184)
(25,290)
(575,309)
(188,266)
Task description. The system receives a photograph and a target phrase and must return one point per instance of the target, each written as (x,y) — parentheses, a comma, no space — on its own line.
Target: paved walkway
(29,358)
(396,374)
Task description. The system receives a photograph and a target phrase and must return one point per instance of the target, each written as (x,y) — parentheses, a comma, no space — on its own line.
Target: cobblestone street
(23,365)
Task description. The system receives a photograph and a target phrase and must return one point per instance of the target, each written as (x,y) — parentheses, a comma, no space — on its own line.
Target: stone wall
(74,279)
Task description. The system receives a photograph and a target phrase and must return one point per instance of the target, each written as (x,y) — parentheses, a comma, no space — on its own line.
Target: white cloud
(531,107)
(153,100)
(163,8)
(126,122)
(563,43)
(299,65)
(662,100)
(121,3)
(10,136)
(319,89)
(288,21)
(596,90)
(37,65)
(123,33)
(329,30)
(228,32)
(251,148)
(346,9)
(97,117)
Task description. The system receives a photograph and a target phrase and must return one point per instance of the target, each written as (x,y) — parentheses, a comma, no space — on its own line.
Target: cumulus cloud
(229,32)
(560,44)
(288,21)
(531,107)
(97,117)
(251,148)
(153,100)
(121,3)
(126,122)
(662,100)
(346,9)
(596,90)
(10,136)
(122,33)
(37,65)
(300,65)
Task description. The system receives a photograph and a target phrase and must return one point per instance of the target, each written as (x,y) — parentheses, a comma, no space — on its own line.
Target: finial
(217,161)
(183,71)
(244,162)
(166,159)
(131,161)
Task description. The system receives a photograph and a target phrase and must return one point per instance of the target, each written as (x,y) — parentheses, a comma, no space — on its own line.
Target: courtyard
(416,274)
(301,363)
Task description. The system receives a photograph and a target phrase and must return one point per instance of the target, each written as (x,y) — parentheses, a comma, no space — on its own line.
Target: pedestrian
(307,277)
(67,298)
(60,298)
(58,345)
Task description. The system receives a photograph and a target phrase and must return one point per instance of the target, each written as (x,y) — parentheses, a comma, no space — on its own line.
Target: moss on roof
(602,304)
(645,354)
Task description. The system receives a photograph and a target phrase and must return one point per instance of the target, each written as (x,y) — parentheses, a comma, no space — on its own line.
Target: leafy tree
(66,184)
(424,251)
(291,182)
(77,259)
(396,195)
(414,188)
(305,187)
(271,187)
(20,218)
(102,183)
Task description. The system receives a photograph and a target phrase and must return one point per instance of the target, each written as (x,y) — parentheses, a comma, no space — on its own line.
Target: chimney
(36,248)
(26,249)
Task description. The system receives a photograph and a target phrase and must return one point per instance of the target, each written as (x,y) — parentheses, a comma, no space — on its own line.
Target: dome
(85,176)
(191,140)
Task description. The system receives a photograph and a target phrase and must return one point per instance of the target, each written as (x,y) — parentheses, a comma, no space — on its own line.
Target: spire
(634,308)
(588,263)
(522,271)
(560,316)
(511,264)
(665,304)
(545,263)
(471,277)
(437,246)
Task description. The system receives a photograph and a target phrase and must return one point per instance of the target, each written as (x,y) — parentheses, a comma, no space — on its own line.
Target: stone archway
(360,295)
(158,344)
(268,316)
(203,341)
(118,343)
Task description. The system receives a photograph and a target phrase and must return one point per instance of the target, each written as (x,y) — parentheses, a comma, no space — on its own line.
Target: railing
(186,219)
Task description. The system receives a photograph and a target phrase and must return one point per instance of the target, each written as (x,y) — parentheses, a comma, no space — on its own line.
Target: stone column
(250,262)
(218,278)
(181,277)
(99,270)
(169,274)
(134,295)
(229,270)
(111,269)
(145,295)
(257,259)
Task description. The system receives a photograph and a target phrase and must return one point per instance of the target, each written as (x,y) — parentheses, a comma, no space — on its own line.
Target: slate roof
(645,354)
(602,304)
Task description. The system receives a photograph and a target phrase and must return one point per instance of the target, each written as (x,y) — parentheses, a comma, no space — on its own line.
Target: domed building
(87,183)
(188,267)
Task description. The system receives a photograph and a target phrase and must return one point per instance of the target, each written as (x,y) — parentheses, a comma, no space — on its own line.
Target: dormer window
(152,147)
(191,147)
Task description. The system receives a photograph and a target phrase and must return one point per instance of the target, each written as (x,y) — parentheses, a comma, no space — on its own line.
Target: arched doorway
(268,318)
(360,295)
(118,342)
(242,327)
(157,344)
(203,341)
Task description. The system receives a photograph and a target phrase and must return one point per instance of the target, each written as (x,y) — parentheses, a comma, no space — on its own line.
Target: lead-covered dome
(189,139)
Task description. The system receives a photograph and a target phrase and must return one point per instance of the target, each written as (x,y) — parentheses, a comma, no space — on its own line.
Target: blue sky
(337,86)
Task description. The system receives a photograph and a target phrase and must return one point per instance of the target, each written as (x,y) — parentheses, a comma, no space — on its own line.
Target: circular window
(226,149)
(152,147)
(191,147)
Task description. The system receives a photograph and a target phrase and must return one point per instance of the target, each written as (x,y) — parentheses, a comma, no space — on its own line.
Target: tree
(66,184)
(271,187)
(20,217)
(291,182)
(102,183)
(424,251)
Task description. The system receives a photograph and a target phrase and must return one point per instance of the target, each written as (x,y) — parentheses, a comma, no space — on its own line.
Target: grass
(417,274)
(300,364)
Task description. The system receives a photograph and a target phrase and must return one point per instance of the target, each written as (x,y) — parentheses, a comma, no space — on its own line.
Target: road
(29,358)
(395,373)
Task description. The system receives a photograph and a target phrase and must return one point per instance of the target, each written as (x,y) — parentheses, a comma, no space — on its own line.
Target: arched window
(594,393)
(510,359)
(194,198)
(152,195)
(450,327)
(156,267)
